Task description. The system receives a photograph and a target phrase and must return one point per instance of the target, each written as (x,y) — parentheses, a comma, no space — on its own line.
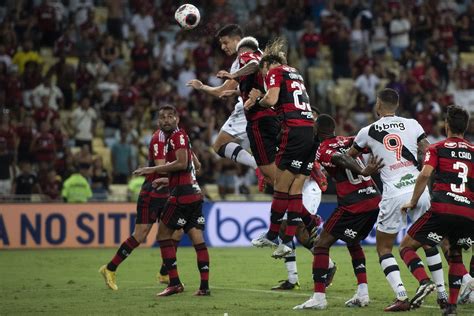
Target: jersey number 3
(463,175)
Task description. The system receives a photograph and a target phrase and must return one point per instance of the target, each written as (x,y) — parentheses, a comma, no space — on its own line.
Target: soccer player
(149,207)
(353,219)
(183,209)
(399,142)
(294,160)
(451,214)
(232,135)
(263,127)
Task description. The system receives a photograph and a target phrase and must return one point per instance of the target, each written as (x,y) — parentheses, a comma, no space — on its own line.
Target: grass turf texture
(66,282)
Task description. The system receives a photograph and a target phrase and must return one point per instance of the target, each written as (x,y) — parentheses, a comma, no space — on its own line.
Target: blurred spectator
(358,40)
(340,49)
(112,116)
(100,180)
(45,113)
(122,160)
(429,103)
(379,38)
(115,18)
(83,80)
(110,52)
(201,55)
(399,34)
(48,23)
(367,84)
(76,188)
(26,132)
(83,156)
(7,168)
(25,55)
(435,135)
(186,75)
(465,34)
(7,132)
(226,177)
(51,185)
(64,73)
(96,67)
(65,45)
(30,79)
(422,26)
(83,121)
(4,57)
(309,45)
(142,23)
(43,146)
(26,183)
(53,94)
(141,57)
(133,188)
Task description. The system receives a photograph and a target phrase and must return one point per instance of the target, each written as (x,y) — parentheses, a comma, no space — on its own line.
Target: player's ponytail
(274,52)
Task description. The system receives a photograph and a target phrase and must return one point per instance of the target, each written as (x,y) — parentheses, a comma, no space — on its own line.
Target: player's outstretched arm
(249,68)
(420,186)
(214,91)
(268,100)
(347,162)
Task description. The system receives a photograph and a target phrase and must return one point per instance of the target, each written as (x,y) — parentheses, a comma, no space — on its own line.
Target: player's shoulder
(249,55)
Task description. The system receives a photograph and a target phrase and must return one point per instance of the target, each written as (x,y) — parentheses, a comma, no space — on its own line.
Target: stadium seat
(467,59)
(106,155)
(97,143)
(118,192)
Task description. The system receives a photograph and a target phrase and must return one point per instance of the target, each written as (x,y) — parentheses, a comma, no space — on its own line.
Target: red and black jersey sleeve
(156,151)
(274,78)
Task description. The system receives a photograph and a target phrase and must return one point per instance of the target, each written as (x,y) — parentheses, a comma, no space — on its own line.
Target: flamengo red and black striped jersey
(249,82)
(156,151)
(182,184)
(453,187)
(293,101)
(355,193)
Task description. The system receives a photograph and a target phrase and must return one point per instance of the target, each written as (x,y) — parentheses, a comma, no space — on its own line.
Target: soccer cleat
(450,310)
(330,276)
(109,277)
(170,290)
(205,292)
(423,290)
(358,301)
(398,306)
(163,279)
(442,303)
(313,303)
(286,285)
(465,292)
(262,241)
(281,251)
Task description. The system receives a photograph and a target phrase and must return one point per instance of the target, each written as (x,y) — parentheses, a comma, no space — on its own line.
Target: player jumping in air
(451,214)
(352,220)
(398,141)
(232,136)
(287,94)
(183,209)
(149,207)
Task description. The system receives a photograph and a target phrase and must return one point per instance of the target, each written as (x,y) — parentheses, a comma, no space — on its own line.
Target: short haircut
(325,124)
(248,42)
(389,98)
(230,30)
(168,107)
(458,119)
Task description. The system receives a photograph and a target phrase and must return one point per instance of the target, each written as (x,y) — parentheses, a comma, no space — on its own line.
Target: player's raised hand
(223,74)
(195,84)
(255,93)
(143,171)
(373,166)
(229,93)
(408,206)
(248,104)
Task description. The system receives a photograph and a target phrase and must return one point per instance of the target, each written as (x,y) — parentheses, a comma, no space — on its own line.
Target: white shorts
(236,125)
(391,219)
(311,196)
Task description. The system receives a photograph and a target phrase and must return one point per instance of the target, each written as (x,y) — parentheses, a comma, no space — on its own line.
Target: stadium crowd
(81,80)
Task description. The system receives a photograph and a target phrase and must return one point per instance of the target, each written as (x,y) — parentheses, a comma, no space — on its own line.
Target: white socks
(392,274)
(433,259)
(236,153)
(363,289)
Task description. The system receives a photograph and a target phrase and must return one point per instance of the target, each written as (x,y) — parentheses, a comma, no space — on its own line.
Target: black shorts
(351,227)
(262,135)
(149,204)
(433,227)
(297,150)
(186,216)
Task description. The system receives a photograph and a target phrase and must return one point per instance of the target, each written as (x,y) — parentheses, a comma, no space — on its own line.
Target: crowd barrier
(93,225)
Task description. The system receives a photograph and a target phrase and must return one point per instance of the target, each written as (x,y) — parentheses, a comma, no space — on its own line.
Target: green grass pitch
(66,282)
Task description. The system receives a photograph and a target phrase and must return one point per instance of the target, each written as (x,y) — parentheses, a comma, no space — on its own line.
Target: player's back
(156,151)
(355,193)
(182,184)
(293,101)
(395,140)
(453,187)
